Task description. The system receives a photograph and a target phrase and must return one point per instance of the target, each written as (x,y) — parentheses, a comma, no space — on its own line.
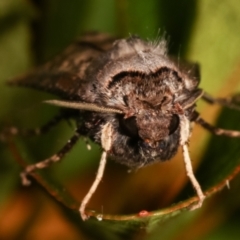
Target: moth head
(150,128)
(154,128)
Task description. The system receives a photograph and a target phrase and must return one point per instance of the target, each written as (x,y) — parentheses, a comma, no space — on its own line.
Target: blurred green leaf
(204,31)
(214,41)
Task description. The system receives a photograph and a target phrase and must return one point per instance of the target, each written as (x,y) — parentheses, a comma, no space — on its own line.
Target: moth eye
(173,124)
(129,126)
(163,144)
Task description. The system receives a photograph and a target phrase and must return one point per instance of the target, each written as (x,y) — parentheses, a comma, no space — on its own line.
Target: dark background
(32,31)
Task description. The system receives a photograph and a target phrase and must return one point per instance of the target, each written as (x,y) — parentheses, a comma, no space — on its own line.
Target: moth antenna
(106,141)
(83,106)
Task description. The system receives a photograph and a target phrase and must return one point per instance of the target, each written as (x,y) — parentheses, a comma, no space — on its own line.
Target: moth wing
(65,74)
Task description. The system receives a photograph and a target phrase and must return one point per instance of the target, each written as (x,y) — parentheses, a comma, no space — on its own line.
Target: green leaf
(204,31)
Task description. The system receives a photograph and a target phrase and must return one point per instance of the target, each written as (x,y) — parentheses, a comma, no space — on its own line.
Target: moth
(129,96)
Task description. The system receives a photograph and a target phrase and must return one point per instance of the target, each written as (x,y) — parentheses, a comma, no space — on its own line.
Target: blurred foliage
(31,31)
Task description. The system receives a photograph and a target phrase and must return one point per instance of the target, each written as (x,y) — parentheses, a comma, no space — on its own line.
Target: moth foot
(199,203)
(25,180)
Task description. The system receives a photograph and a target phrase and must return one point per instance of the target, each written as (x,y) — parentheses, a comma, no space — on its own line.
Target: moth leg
(185,133)
(14,131)
(216,130)
(230,102)
(47,162)
(106,142)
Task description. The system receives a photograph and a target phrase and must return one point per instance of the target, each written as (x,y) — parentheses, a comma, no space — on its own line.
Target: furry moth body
(128,96)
